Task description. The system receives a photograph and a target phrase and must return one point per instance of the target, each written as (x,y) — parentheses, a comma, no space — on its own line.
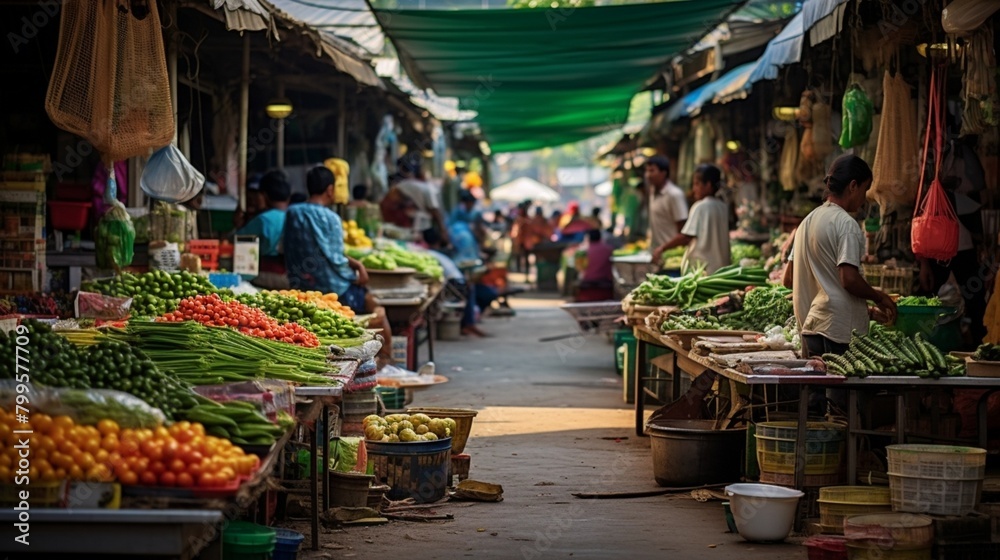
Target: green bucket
(242,540)
(923,319)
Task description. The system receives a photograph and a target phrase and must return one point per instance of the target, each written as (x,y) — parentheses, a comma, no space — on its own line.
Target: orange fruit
(107,427)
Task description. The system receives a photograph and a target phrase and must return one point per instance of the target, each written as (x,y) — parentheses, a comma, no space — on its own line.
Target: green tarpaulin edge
(546,77)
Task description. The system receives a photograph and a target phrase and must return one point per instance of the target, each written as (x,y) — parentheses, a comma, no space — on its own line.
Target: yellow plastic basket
(40,494)
(838,502)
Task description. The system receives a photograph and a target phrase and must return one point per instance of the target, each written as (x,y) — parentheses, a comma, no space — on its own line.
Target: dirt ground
(552,422)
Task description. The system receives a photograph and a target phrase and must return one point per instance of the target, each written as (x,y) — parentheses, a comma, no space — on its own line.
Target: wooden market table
(413,315)
(693,365)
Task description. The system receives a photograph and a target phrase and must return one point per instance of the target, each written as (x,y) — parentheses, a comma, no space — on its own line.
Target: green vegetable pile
(88,408)
(202,355)
(763,307)
(109,364)
(888,352)
(918,301)
(379,261)
(987,353)
(424,263)
(327,324)
(673,258)
(695,287)
(684,322)
(237,421)
(157,292)
(740,251)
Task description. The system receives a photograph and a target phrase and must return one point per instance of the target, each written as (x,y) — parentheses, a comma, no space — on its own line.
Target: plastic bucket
(690,452)
(763,513)
(417,470)
(449,328)
(286,546)
(350,489)
(247,541)
(463,422)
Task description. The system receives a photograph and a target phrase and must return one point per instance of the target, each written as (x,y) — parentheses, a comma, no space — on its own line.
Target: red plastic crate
(824,547)
(70,216)
(208,250)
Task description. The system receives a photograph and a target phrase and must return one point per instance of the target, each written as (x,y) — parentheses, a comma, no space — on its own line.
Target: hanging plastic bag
(109,81)
(168,176)
(895,179)
(963,16)
(857,118)
(115,238)
(934,232)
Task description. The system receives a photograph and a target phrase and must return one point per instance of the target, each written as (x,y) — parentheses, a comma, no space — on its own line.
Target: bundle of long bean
(203,355)
(696,287)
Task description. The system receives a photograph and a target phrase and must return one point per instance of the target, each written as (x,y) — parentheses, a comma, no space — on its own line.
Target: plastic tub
(69,216)
(417,470)
(763,513)
(247,541)
(463,418)
(690,452)
(286,546)
(871,551)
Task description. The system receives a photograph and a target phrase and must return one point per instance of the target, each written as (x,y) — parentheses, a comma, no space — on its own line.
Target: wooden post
(342,122)
(244,121)
(281,132)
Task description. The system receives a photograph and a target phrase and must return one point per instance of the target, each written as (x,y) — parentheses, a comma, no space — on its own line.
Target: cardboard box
(91,495)
(976,368)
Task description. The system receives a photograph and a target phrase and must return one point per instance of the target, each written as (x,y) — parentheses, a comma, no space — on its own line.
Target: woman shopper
(828,290)
(706,231)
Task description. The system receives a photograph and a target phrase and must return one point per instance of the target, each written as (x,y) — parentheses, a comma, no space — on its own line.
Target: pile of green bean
(696,287)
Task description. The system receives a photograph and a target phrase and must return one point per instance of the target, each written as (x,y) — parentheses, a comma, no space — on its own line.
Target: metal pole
(281,133)
(244,122)
(342,122)
(172,63)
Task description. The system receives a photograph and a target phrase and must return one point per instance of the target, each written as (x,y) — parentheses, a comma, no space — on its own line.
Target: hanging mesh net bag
(109,82)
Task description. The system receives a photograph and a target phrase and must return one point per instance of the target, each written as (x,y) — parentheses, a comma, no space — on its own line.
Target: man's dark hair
(466,196)
(595,211)
(663,162)
(710,174)
(318,180)
(594,235)
(298,198)
(359,192)
(275,185)
(845,169)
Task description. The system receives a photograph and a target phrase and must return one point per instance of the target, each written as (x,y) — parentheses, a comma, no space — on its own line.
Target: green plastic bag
(115,238)
(857,118)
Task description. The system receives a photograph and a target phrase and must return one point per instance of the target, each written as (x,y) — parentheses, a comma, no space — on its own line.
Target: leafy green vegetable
(740,251)
(763,307)
(695,286)
(919,301)
(987,353)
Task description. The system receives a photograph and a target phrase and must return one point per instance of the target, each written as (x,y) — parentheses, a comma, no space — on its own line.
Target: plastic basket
(935,479)
(809,481)
(892,280)
(392,397)
(463,418)
(776,447)
(857,551)
(417,470)
(891,530)
(286,545)
(838,502)
(247,541)
(70,216)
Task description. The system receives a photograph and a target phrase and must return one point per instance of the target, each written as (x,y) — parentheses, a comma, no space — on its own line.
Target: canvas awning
(545,77)
(521,189)
(786,48)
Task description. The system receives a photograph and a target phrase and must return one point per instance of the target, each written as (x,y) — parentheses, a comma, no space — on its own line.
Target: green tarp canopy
(545,77)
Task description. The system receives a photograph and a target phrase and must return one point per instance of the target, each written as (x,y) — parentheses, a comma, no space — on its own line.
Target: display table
(692,365)
(140,533)
(409,317)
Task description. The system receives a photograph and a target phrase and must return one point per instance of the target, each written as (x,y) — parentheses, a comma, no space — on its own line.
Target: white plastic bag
(169,176)
(963,16)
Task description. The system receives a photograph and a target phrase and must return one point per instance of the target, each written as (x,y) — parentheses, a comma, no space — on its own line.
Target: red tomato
(185,480)
(147,478)
(168,479)
(206,480)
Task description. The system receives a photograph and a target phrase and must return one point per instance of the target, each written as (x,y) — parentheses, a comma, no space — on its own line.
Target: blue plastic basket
(286,545)
(224,279)
(417,470)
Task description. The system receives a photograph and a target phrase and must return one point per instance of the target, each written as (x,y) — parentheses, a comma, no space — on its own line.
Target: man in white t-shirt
(423,195)
(669,208)
(706,231)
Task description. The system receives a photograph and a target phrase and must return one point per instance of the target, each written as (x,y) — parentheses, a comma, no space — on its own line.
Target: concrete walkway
(552,422)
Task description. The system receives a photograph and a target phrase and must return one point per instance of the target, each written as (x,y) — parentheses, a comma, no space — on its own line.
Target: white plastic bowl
(763,512)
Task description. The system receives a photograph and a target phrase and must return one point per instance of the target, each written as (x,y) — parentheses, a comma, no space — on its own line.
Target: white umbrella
(524,188)
(604,189)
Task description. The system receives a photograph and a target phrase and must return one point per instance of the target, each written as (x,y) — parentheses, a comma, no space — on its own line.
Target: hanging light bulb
(279,108)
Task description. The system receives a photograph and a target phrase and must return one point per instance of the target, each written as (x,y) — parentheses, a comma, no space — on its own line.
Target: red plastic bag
(934,232)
